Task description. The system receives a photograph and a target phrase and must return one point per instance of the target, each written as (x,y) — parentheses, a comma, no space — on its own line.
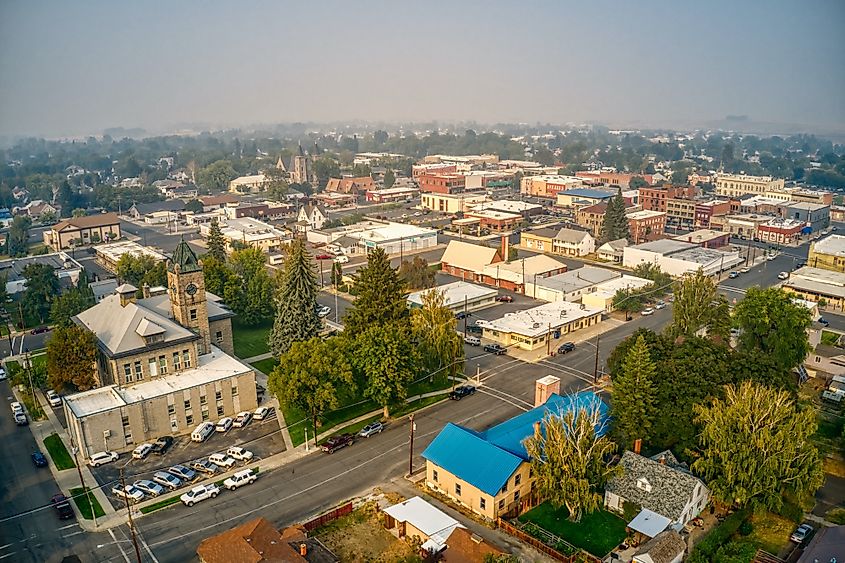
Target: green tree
(78,212)
(216,244)
(381,296)
(337,274)
(628,302)
(568,459)
(637,182)
(216,274)
(309,375)
(756,446)
(386,359)
(699,306)
(771,322)
(615,225)
(660,281)
(41,287)
(251,288)
(277,184)
(68,304)
(389,178)
(296,301)
(72,359)
(416,273)
(17,239)
(194,206)
(633,399)
(325,167)
(217,175)
(434,328)
(140,270)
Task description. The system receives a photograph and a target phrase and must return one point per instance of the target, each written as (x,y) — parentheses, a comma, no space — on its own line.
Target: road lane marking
(125,557)
(73,534)
(68,526)
(147,548)
(5,546)
(7,555)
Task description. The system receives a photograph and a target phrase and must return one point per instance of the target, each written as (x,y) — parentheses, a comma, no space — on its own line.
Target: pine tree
(615,225)
(381,297)
(216,245)
(296,301)
(632,401)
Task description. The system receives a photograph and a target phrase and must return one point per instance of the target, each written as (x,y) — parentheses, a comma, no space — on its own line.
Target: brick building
(442,183)
(644,224)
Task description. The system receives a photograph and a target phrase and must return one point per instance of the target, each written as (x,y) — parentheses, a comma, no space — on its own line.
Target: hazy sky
(69,68)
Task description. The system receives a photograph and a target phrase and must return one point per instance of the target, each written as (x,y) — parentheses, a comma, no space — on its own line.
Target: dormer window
(642,483)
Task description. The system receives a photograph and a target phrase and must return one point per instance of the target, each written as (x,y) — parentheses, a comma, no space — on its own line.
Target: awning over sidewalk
(649,523)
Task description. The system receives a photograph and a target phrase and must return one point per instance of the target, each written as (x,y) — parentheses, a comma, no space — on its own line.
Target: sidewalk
(582,335)
(67,478)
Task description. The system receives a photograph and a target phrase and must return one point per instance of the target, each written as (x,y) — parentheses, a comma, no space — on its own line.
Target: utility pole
(465,317)
(549,341)
(596,367)
(131,523)
(29,373)
(82,482)
(411,452)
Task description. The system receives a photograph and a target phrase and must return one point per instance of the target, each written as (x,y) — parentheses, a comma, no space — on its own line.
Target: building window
(220,410)
(482,503)
(171,409)
(124,420)
(502,504)
(434,475)
(193,314)
(219,336)
(128,438)
(187,404)
(203,400)
(517,480)
(153,367)
(127,372)
(218,395)
(204,414)
(234,390)
(162,362)
(505,487)
(174,426)
(516,496)
(186,358)
(457,489)
(189,419)
(139,373)
(177,361)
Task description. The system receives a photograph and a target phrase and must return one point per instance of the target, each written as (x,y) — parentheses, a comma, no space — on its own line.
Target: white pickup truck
(198,493)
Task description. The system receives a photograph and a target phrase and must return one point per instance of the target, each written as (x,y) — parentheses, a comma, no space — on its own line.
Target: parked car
(323,311)
(472,340)
(504,299)
(801,533)
(494,349)
(221,460)
(148,487)
(733,275)
(242,419)
(20,419)
(239,453)
(370,429)
(823,321)
(660,305)
(128,493)
(53,398)
(262,413)
(200,493)
(474,329)
(647,311)
(165,479)
(2,374)
(783,276)
(240,479)
(202,432)
(40,330)
(100,458)
(161,445)
(182,472)
(336,442)
(324,257)
(771,257)
(461,392)
(224,424)
(744,270)
(39,459)
(16,407)
(142,451)
(566,347)
(62,505)
(204,466)
(460,315)
(342,259)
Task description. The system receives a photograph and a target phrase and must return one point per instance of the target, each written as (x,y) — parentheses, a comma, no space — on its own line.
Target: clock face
(191,289)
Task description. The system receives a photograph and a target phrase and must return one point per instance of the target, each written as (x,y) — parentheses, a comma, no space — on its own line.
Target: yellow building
(82,231)
(828,253)
(490,472)
(451,203)
(738,185)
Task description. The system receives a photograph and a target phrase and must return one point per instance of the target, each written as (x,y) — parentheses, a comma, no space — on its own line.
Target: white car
(2,374)
(100,458)
(148,487)
(323,311)
(647,311)
(242,419)
(342,259)
(783,276)
(744,270)
(17,408)
(771,257)
(224,424)
(262,412)
(221,460)
(128,493)
(54,399)
(198,493)
(239,453)
(142,451)
(164,479)
(240,479)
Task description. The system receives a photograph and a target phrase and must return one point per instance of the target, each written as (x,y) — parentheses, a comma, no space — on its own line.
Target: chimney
(545,388)
(504,247)
(537,428)
(638,446)
(146,290)
(303,549)
(662,459)
(127,293)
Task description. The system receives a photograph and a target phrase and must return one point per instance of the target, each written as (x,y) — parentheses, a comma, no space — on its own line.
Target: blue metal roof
(587,192)
(467,456)
(487,459)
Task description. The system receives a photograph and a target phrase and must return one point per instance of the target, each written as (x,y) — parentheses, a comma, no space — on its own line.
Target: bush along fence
(327,517)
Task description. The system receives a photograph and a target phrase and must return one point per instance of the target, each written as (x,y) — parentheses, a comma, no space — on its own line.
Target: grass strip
(160,504)
(58,453)
(81,499)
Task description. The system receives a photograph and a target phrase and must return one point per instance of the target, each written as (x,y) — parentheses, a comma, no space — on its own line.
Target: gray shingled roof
(664,547)
(671,486)
(571,235)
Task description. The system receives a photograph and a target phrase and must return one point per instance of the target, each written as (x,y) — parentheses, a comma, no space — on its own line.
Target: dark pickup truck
(461,392)
(337,442)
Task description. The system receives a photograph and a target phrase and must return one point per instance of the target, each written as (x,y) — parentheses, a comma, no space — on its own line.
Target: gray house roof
(664,488)
(665,547)
(571,235)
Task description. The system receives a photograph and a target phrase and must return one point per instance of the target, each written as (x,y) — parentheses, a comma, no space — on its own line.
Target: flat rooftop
(609,288)
(664,246)
(644,214)
(510,205)
(580,278)
(455,293)
(833,245)
(212,367)
(537,321)
(701,235)
(494,214)
(59,261)
(114,250)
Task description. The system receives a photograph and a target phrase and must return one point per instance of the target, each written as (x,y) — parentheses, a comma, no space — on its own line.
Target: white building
(312,216)
(248,184)
(393,238)
(569,286)
(109,254)
(676,258)
(533,328)
(601,295)
(459,296)
(250,232)
(572,242)
(612,251)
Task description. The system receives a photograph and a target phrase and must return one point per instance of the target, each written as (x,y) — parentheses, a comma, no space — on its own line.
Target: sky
(75,68)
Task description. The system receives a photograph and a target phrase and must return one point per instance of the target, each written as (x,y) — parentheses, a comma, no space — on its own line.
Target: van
(202,432)
(472,340)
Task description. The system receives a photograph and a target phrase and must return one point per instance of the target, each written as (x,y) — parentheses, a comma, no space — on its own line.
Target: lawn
(771,532)
(81,500)
(265,366)
(160,504)
(597,532)
(361,536)
(250,340)
(830,338)
(58,452)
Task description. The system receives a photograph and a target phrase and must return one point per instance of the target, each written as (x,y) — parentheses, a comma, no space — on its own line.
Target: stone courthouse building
(164,363)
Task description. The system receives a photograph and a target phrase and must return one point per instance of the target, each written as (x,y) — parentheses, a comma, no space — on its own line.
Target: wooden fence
(534,542)
(327,517)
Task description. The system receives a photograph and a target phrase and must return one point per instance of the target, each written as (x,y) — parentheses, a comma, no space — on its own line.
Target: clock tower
(186,287)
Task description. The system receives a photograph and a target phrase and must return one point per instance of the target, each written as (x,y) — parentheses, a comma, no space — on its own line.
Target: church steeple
(186,286)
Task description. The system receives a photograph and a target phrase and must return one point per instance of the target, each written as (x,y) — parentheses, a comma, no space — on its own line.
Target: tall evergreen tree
(615,225)
(699,305)
(216,244)
(381,297)
(633,398)
(296,301)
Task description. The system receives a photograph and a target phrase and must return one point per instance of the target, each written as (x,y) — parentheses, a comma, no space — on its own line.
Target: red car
(40,330)
(336,442)
(505,299)
(324,257)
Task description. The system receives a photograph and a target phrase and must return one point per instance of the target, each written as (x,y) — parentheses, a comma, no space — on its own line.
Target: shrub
(746,528)
(705,550)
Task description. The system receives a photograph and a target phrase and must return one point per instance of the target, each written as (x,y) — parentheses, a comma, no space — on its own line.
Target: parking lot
(262,437)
